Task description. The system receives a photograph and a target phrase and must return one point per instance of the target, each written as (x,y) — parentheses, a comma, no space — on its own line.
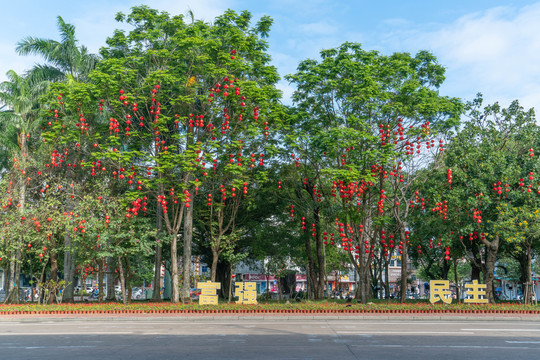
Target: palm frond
(48,49)
(9,121)
(67,32)
(62,57)
(43,72)
(8,141)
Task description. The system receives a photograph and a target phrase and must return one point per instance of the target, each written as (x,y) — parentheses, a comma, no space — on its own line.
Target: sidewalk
(268,317)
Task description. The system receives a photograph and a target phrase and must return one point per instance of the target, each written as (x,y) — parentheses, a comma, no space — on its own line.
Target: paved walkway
(272,317)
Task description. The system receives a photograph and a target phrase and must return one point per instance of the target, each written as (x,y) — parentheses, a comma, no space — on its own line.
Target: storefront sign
(258,277)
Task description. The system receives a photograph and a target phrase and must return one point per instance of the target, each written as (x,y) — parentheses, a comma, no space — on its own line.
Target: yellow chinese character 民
(476,290)
(208,293)
(440,291)
(246,292)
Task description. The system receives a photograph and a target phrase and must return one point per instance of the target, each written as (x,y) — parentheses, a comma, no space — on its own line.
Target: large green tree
(18,123)
(358,114)
(489,166)
(182,97)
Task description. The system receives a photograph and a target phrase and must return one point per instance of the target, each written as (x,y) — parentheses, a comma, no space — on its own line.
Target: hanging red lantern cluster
(223,191)
(447,253)
(383,243)
(441,209)
(385,133)
(407,236)
(136,205)
(477,216)
(380,203)
(187,198)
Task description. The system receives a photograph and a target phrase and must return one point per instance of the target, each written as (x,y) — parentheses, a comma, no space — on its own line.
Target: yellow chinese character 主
(476,290)
(440,291)
(208,293)
(246,292)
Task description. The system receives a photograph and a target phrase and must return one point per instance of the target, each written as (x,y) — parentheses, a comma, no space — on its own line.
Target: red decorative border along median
(273,312)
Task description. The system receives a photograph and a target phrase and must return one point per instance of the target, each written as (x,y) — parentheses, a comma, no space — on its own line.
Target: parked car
(137,293)
(195,293)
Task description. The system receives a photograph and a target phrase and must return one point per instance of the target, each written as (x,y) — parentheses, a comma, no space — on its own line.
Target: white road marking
(403,332)
(47,347)
(523,342)
(505,330)
(446,346)
(68,333)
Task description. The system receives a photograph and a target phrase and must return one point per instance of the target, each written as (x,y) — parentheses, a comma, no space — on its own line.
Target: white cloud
(496,52)
(94,26)
(205,10)
(320,28)
(287,91)
(12,61)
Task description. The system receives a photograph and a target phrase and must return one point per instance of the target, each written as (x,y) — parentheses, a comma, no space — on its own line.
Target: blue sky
(487,46)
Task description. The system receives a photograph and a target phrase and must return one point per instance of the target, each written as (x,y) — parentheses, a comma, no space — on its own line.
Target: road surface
(170,338)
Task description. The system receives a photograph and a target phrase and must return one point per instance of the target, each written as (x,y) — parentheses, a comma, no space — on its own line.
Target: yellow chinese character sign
(476,290)
(246,292)
(439,291)
(208,293)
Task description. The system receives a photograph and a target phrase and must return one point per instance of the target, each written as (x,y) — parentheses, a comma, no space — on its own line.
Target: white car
(136,294)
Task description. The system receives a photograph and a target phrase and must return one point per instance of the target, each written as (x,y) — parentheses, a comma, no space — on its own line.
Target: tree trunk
(54,273)
(82,283)
(387,279)
(476,269)
(489,273)
(7,279)
(156,295)
(404,269)
(380,282)
(526,275)
(175,296)
(320,257)
(101,273)
(311,268)
(230,281)
(445,270)
(364,284)
(41,284)
(122,280)
(188,237)
(69,269)
(110,280)
(4,282)
(215,258)
(456,281)
(14,277)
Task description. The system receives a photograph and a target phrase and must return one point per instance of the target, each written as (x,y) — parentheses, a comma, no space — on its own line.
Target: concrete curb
(266,317)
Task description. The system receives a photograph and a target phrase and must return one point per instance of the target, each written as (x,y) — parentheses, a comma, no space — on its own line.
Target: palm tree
(64,59)
(20,96)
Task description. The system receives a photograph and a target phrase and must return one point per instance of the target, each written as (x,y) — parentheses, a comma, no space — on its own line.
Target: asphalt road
(169,338)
